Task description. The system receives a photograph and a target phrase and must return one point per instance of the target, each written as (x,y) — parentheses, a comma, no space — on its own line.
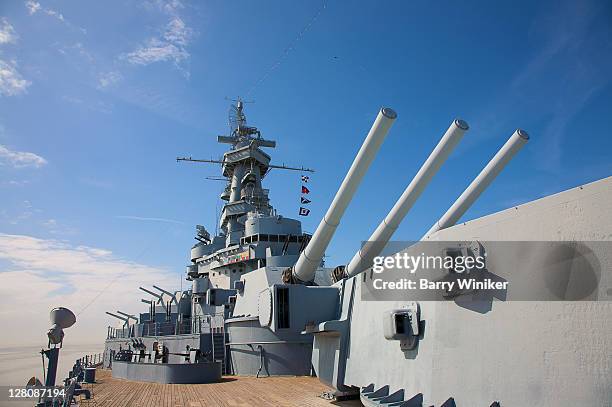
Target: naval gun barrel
(381,236)
(160,298)
(128,316)
(168,293)
(310,259)
(124,319)
(518,139)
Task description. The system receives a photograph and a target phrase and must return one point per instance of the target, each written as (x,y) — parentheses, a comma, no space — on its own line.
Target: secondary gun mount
(518,139)
(383,233)
(126,320)
(310,259)
(128,316)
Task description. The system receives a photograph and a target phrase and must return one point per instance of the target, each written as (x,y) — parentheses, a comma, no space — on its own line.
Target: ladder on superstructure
(217,337)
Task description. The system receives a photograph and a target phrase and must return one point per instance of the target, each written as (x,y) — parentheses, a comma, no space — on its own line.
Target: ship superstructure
(251,236)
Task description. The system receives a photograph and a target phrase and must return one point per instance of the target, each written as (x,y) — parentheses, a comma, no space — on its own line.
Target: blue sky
(98,98)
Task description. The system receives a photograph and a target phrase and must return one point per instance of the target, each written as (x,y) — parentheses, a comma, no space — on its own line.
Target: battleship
(262,302)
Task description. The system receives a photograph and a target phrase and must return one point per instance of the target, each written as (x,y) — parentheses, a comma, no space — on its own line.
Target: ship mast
(243,166)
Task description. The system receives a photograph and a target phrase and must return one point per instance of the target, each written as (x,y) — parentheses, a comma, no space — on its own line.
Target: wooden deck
(234,391)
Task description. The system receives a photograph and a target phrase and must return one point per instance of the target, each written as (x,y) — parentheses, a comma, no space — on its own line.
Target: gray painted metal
(381,236)
(518,139)
(557,352)
(187,373)
(258,350)
(176,344)
(128,316)
(160,298)
(514,353)
(310,258)
(125,320)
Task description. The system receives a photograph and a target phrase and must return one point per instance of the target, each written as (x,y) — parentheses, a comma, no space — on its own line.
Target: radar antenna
(238,122)
(242,135)
(236,117)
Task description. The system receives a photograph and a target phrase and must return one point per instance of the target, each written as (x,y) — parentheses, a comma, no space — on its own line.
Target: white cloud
(167,6)
(157,51)
(15,183)
(7,32)
(170,46)
(94,105)
(56,228)
(35,7)
(172,6)
(20,159)
(108,79)
(11,81)
(32,6)
(177,32)
(24,212)
(77,49)
(45,273)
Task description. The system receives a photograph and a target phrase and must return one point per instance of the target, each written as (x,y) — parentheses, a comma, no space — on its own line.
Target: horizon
(95,105)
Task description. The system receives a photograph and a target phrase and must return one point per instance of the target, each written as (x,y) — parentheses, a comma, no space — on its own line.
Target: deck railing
(90,360)
(196,325)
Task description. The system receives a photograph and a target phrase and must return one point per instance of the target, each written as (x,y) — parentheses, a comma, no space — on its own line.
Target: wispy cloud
(94,105)
(146,219)
(64,274)
(15,183)
(20,159)
(98,183)
(35,7)
(108,79)
(581,43)
(24,212)
(570,63)
(55,227)
(171,7)
(7,32)
(77,49)
(170,46)
(11,81)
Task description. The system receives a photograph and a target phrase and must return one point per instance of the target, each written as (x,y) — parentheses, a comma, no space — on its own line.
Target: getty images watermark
(487,271)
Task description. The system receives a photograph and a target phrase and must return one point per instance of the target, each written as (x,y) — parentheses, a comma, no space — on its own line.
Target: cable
(288,49)
(142,252)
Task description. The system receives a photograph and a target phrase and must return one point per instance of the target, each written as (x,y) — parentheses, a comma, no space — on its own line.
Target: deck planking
(232,391)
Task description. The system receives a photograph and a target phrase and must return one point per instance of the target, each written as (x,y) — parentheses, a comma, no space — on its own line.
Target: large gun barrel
(306,266)
(481,182)
(381,236)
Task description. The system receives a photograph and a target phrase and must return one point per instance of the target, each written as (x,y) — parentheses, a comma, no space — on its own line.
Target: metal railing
(206,323)
(91,360)
(196,325)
